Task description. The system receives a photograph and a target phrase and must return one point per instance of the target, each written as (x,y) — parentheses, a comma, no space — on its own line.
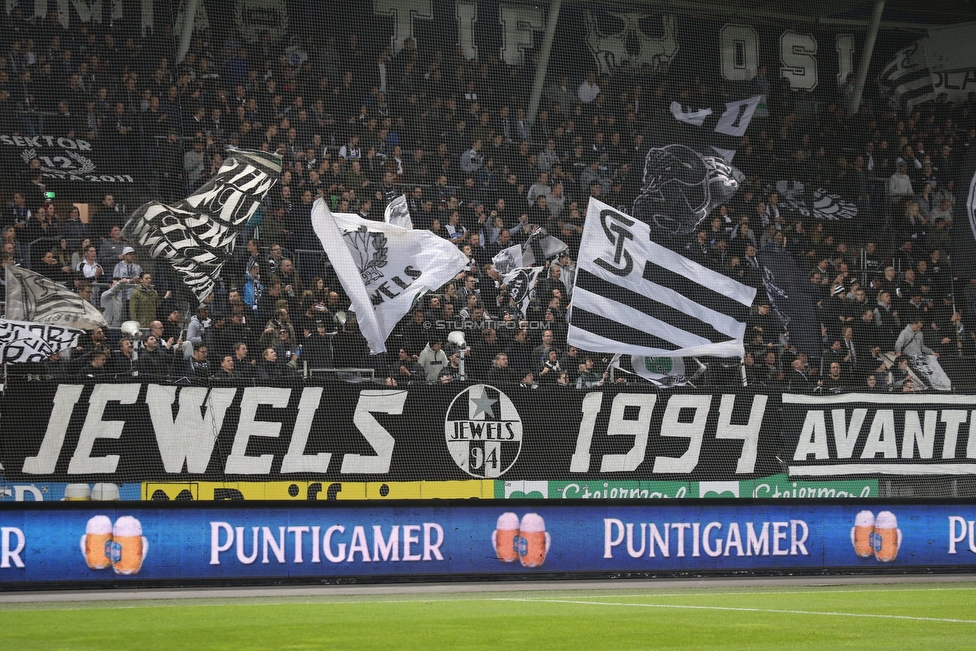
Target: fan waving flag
(636,297)
(197,235)
(538,245)
(383,267)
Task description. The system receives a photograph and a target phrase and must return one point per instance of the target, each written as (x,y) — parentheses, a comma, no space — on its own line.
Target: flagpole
(952,291)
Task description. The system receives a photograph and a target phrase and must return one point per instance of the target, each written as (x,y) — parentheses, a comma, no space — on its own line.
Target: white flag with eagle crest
(383,267)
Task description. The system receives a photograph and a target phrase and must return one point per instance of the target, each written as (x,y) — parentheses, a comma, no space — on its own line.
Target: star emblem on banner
(483,405)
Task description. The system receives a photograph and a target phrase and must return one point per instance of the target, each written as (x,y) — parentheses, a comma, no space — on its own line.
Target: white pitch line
(340,600)
(748,610)
(699,592)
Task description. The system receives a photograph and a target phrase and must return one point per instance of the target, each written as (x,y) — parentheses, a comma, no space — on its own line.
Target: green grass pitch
(927,616)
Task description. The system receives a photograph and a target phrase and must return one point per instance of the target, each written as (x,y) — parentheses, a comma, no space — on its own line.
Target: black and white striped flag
(636,297)
(940,64)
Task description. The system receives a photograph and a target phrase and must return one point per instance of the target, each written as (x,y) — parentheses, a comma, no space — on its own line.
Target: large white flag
(636,297)
(383,267)
(33,297)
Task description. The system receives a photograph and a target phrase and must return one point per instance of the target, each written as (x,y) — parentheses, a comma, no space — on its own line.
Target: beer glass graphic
(887,537)
(77,493)
(533,541)
(128,547)
(504,536)
(96,542)
(861,534)
(105,492)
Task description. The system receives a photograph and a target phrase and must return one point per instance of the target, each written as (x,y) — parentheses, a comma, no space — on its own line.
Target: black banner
(147,432)
(880,434)
(792,297)
(126,433)
(67,163)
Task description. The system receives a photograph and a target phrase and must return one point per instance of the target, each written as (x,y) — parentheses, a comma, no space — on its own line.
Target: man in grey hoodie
(911,342)
(433,358)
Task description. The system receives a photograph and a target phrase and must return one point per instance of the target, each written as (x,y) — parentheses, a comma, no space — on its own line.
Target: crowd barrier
(52,545)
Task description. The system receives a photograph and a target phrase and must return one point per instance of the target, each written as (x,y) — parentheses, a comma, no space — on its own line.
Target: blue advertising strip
(59,491)
(98,542)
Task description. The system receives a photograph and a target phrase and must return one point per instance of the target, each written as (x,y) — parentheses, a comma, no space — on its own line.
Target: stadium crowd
(360,128)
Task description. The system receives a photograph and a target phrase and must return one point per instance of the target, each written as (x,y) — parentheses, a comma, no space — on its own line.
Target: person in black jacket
(349,347)
(886,318)
(196,369)
(799,381)
(153,363)
(835,381)
(406,370)
(122,363)
(519,353)
(317,348)
(269,369)
(51,268)
(94,366)
(244,364)
(500,373)
(226,373)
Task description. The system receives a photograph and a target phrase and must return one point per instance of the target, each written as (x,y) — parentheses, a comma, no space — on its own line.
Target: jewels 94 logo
(483,431)
(371,252)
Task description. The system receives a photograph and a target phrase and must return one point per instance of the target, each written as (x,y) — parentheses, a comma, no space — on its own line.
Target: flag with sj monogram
(636,297)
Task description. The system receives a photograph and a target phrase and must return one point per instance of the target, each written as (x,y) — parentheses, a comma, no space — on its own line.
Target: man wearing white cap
(127,268)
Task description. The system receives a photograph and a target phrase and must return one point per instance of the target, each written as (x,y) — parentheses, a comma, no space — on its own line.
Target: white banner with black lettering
(33,342)
(880,433)
(197,235)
